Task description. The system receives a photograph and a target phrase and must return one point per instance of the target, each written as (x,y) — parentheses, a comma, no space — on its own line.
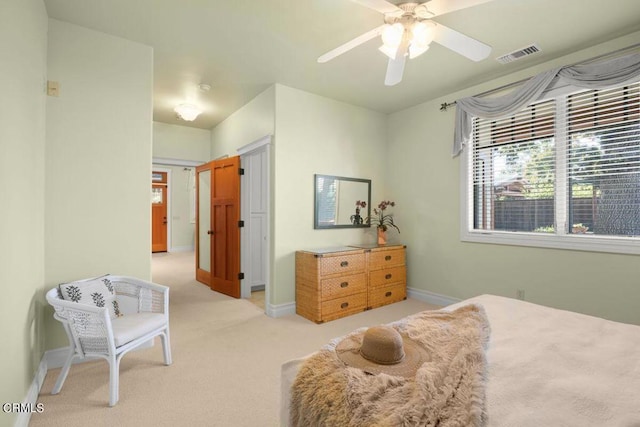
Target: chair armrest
(88,327)
(151,297)
(74,307)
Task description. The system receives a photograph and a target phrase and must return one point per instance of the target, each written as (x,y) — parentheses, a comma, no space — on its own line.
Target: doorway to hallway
(159,211)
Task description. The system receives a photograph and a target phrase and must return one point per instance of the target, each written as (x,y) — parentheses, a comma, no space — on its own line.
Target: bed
(548,367)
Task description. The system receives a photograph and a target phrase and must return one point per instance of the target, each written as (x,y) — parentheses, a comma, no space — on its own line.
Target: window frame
(558,240)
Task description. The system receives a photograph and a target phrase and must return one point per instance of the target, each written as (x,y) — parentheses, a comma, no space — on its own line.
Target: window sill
(590,243)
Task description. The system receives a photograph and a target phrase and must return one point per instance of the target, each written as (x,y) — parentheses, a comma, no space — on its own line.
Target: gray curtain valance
(592,76)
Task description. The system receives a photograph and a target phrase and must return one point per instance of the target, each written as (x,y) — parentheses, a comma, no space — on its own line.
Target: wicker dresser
(337,282)
(387,274)
(330,283)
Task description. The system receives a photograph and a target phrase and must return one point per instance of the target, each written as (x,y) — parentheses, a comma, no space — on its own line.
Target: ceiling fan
(408,31)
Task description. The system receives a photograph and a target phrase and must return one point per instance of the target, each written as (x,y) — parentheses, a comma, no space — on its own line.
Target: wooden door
(224,233)
(159,212)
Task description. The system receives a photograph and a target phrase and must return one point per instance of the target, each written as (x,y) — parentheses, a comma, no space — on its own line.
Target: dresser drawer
(344,285)
(386,258)
(342,264)
(387,294)
(387,276)
(339,307)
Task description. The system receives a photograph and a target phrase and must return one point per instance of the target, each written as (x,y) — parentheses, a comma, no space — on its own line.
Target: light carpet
(227,356)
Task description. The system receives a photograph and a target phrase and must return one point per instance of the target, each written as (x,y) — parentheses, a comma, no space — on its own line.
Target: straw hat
(382,349)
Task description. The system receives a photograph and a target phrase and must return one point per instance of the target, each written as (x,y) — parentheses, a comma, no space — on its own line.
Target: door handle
(211,232)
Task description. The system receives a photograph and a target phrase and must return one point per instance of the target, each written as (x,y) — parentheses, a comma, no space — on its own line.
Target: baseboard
(29,403)
(257,288)
(431,297)
(55,358)
(281,310)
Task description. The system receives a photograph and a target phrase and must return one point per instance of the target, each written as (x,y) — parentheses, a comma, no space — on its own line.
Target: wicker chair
(92,332)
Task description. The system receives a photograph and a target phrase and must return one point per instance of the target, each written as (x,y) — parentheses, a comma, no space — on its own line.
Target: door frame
(168,172)
(263,143)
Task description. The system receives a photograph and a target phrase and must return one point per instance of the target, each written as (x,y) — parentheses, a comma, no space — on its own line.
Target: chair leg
(64,372)
(114,379)
(166,346)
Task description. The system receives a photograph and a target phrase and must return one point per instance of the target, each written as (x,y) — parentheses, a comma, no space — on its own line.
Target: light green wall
(98,159)
(318,135)
(23,43)
(425,181)
(181,142)
(251,122)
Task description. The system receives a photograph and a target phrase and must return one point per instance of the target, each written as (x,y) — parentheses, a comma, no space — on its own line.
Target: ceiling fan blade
(459,43)
(440,7)
(395,68)
(381,6)
(351,44)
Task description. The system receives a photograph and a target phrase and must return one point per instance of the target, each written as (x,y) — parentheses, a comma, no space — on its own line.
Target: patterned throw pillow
(98,292)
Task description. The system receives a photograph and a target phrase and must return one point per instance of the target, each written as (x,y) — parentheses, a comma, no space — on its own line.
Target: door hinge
(240,276)
(240,171)
(240,223)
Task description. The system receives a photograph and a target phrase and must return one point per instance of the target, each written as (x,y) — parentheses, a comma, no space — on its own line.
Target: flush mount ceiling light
(187,112)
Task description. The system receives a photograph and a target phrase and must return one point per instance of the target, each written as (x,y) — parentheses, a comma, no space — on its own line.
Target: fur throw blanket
(448,390)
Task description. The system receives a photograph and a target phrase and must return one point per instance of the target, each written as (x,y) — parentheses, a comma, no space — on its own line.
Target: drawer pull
(344,305)
(387,258)
(388,294)
(344,263)
(388,276)
(344,284)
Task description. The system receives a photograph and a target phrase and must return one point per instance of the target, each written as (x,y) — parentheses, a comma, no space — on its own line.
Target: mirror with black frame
(341,202)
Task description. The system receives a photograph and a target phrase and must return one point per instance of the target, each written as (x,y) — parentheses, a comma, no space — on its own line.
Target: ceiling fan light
(416,50)
(392,34)
(187,112)
(389,51)
(423,32)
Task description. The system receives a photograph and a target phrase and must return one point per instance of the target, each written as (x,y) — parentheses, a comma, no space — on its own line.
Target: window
(563,172)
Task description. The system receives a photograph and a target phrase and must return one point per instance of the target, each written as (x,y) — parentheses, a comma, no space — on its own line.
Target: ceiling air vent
(518,54)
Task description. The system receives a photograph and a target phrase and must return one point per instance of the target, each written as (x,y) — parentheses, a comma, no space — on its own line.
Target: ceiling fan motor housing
(411,13)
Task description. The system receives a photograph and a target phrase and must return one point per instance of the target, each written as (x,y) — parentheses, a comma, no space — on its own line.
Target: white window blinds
(569,165)
(514,170)
(603,154)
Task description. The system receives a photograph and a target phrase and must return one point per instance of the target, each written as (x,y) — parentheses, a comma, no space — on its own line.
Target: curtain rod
(447,105)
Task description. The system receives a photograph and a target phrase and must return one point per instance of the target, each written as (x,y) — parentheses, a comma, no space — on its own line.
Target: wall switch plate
(53,88)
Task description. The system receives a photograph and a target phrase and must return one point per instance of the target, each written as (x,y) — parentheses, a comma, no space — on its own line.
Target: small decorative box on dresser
(337,282)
